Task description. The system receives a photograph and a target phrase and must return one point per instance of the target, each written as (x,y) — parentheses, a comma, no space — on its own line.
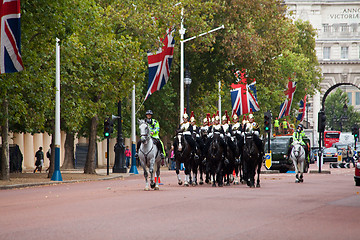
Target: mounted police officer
(154,128)
(299,135)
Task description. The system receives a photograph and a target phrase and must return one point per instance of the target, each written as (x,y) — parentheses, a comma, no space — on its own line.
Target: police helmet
(300,126)
(149,112)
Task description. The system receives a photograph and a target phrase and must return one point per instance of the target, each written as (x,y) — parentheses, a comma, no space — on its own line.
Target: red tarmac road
(325,206)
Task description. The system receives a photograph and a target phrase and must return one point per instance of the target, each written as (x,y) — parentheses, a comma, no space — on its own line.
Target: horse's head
(296,149)
(180,141)
(144,131)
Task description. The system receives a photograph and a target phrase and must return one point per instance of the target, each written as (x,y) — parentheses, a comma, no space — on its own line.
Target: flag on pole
(302,109)
(244,98)
(160,63)
(10,52)
(286,106)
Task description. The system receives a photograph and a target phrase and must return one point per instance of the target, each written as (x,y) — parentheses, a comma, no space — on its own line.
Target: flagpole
(57,174)
(182,41)
(220,99)
(182,33)
(133,168)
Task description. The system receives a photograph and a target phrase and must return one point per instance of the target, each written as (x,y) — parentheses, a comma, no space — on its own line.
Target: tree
(337,116)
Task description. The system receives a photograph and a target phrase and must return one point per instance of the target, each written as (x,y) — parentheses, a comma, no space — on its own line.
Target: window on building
(357,98)
(327,28)
(344,28)
(344,52)
(326,53)
(349,98)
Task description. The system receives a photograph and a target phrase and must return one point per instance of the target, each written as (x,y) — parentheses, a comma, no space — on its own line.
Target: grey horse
(149,156)
(297,156)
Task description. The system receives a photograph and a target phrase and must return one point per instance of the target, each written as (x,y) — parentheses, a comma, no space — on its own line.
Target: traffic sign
(268,160)
(339,158)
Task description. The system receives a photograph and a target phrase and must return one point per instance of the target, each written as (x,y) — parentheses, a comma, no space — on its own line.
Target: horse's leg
(201,171)
(178,172)
(194,170)
(158,176)
(151,171)
(302,165)
(146,179)
(296,171)
(219,175)
(258,173)
(187,174)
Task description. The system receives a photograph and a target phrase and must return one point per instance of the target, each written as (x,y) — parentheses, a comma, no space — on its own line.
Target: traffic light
(267,121)
(108,127)
(355,131)
(321,121)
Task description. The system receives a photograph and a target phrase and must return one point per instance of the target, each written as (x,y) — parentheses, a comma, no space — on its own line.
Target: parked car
(330,154)
(279,146)
(357,173)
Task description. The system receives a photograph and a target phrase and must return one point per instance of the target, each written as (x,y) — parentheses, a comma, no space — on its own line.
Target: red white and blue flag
(302,109)
(10,54)
(159,64)
(286,106)
(244,98)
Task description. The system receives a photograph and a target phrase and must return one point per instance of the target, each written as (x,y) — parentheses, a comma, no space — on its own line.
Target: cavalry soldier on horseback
(299,135)
(217,128)
(236,127)
(154,132)
(196,133)
(228,132)
(253,127)
(187,129)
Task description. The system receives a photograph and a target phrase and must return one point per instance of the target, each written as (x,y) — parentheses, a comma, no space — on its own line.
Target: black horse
(182,150)
(252,161)
(231,160)
(214,161)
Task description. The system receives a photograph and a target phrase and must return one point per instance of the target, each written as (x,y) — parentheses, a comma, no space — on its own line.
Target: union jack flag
(302,109)
(10,52)
(159,64)
(286,106)
(244,98)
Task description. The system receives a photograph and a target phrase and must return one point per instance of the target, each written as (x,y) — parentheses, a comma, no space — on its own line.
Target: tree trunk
(4,165)
(69,160)
(52,157)
(90,157)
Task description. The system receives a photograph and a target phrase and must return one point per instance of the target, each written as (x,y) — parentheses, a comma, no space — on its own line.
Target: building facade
(337,46)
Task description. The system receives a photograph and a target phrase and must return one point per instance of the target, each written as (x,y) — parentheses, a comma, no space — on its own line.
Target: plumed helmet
(235,116)
(217,117)
(205,120)
(149,112)
(251,116)
(185,114)
(192,117)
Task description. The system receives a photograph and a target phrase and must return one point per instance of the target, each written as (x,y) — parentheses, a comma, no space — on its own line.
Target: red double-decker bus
(331,137)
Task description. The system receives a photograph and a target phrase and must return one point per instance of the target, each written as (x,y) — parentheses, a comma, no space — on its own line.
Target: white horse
(297,155)
(149,156)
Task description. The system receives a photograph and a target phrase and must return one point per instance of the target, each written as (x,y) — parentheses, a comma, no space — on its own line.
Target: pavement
(30,179)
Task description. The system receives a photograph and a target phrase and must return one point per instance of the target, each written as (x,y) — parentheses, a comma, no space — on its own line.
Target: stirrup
(162,156)
(136,155)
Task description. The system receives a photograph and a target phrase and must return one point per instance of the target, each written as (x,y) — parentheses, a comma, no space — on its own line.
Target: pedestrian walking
(39,160)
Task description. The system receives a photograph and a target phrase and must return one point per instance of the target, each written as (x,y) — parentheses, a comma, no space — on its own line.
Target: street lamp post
(187,81)
(343,117)
(307,114)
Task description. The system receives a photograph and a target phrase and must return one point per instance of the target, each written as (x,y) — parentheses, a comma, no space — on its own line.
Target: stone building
(337,46)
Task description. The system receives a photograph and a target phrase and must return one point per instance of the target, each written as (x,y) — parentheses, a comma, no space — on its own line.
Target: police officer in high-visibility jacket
(154,128)
(299,136)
